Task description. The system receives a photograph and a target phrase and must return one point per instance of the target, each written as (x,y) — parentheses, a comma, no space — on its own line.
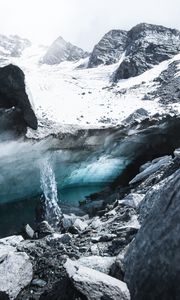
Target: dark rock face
(153,259)
(61,51)
(147,45)
(109,49)
(15,109)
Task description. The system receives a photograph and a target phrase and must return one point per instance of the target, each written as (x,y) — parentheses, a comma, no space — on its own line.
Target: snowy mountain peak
(60,51)
(109,49)
(143,29)
(147,45)
(136,50)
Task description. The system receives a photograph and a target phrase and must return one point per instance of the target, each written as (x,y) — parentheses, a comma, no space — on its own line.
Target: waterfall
(49,202)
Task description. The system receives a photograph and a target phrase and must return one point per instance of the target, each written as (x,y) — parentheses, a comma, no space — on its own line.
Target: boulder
(44,229)
(15,272)
(98,263)
(152,262)
(95,285)
(80,225)
(28,232)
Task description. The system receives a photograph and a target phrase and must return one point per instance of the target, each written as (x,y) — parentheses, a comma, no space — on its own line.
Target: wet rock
(80,225)
(44,229)
(50,212)
(94,284)
(68,221)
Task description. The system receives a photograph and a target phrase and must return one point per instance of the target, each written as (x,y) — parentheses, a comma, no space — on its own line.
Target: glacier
(81,115)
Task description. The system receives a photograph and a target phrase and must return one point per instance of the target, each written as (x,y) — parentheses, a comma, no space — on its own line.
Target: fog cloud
(83,22)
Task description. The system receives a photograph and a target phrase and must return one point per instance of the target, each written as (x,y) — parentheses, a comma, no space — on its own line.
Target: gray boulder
(98,263)
(152,263)
(15,272)
(95,285)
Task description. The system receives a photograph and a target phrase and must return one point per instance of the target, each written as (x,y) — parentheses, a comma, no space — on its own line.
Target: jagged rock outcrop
(153,259)
(61,51)
(109,49)
(147,45)
(15,109)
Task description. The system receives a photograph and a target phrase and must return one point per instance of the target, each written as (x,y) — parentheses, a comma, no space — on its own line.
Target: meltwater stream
(52,211)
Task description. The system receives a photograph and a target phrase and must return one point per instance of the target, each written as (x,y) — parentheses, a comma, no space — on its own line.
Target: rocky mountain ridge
(109,49)
(60,51)
(144,46)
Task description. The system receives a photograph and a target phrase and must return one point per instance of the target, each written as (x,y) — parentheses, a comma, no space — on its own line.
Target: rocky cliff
(109,49)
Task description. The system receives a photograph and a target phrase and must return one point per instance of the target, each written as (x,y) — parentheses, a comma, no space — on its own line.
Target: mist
(82,22)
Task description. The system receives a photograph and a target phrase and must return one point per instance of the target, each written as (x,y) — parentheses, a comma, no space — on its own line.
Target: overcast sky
(82,22)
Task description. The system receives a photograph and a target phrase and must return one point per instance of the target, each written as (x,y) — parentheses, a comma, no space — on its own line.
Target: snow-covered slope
(66,94)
